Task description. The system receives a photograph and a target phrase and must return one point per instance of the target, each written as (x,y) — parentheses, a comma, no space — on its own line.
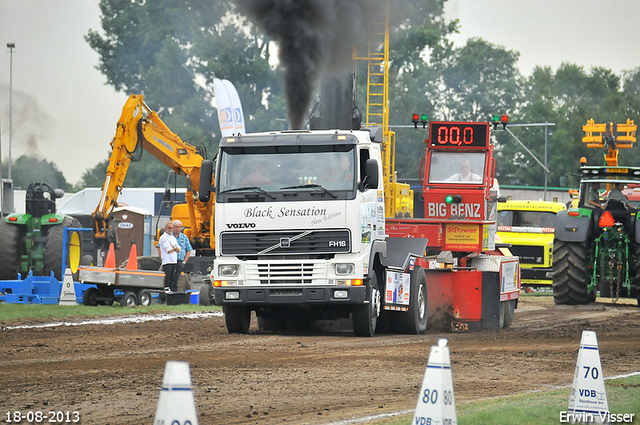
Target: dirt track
(111,374)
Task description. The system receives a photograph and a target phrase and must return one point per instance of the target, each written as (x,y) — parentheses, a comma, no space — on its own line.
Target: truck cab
(528,227)
(299,219)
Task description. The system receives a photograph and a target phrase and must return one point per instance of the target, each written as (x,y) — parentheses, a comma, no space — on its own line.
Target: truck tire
(10,251)
(53,247)
(90,297)
(128,299)
(144,297)
(237,319)
(270,324)
(570,277)
(414,321)
(365,316)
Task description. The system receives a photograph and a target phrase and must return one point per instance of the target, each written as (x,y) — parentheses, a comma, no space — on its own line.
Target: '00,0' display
(459,134)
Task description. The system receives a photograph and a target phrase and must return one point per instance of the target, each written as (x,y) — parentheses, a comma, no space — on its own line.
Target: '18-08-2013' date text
(38,417)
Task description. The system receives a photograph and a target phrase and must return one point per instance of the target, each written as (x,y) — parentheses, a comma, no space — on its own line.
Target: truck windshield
(458,167)
(331,168)
(527,219)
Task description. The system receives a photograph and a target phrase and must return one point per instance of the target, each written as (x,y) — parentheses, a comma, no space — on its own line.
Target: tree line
(171,50)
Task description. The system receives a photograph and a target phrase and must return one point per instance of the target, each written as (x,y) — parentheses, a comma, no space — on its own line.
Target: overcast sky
(64,112)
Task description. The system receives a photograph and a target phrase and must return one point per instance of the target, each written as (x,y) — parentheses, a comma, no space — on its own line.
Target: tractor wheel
(365,316)
(53,247)
(570,273)
(10,251)
(414,321)
(507,311)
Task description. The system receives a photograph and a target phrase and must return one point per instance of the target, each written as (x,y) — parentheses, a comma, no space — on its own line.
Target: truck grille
(285,273)
(286,242)
(528,254)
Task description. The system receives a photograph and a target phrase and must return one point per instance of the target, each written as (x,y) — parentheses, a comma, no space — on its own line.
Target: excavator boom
(140,128)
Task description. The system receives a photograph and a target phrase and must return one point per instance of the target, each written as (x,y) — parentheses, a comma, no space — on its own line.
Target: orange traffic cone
(132,264)
(110,262)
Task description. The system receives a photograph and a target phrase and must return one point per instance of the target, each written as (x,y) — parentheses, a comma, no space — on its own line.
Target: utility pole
(11,46)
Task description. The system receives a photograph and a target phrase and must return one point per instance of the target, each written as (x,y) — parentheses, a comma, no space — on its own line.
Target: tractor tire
(570,273)
(53,247)
(507,311)
(237,318)
(414,321)
(10,251)
(365,316)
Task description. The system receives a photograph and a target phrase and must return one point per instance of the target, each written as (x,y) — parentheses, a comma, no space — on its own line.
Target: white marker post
(588,400)
(436,403)
(176,405)
(68,290)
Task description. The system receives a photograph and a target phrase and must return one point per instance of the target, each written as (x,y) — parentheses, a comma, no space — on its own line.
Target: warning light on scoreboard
(419,118)
(500,119)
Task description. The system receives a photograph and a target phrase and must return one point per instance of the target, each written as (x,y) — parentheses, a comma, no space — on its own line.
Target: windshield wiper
(311,185)
(255,188)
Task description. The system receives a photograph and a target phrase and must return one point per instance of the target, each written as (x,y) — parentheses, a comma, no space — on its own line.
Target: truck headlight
(228,270)
(344,269)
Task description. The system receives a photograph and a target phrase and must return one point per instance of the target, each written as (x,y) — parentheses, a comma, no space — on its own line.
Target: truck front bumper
(262,296)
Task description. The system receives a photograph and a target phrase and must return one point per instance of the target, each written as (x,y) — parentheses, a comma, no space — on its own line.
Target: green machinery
(597,250)
(33,241)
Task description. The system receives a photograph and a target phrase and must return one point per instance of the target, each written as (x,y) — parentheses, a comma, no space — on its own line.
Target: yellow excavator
(141,129)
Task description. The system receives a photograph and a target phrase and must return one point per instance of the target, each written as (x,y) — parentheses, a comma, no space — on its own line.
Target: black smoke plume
(313,37)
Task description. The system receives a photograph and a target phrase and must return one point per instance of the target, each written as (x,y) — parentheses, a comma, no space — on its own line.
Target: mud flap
(490,320)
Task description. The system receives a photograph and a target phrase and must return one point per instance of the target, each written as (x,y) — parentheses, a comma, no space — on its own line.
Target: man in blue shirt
(185,247)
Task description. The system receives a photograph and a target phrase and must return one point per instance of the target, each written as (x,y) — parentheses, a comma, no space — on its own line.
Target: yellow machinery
(610,136)
(398,196)
(140,128)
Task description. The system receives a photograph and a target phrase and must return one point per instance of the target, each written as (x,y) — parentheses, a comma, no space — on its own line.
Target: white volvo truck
(300,234)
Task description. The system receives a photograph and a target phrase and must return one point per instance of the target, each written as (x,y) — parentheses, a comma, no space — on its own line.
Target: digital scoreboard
(458,135)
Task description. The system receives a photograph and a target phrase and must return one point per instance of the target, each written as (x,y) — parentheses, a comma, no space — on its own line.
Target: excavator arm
(140,128)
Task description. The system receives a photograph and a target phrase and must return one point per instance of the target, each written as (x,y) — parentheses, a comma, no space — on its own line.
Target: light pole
(11,46)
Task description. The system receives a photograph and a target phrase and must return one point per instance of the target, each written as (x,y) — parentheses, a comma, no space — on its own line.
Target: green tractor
(34,241)
(597,250)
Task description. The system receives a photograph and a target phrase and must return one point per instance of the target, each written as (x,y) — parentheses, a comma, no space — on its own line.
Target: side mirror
(204,187)
(370,179)
(167,195)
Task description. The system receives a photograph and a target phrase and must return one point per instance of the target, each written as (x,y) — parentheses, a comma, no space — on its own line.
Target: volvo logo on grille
(241,225)
(285,242)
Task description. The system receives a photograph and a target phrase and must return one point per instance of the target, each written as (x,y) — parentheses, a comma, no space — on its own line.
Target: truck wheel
(414,321)
(365,316)
(507,311)
(90,297)
(270,324)
(237,319)
(570,277)
(144,297)
(53,247)
(10,251)
(128,299)
(206,294)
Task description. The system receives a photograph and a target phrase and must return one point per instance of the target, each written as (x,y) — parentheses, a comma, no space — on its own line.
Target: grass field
(540,408)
